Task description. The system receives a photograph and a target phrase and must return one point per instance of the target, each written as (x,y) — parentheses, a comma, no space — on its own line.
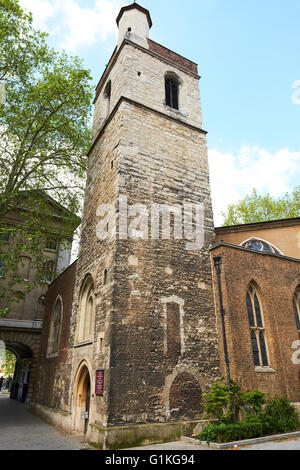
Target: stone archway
(26,347)
(185,397)
(82,393)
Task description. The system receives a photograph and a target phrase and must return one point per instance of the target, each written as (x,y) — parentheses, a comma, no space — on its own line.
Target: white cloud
(42,11)
(74,24)
(234,176)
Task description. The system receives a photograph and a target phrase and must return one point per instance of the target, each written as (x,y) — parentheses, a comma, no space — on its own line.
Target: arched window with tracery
(172,92)
(86,311)
(296,307)
(260,245)
(55,329)
(257,329)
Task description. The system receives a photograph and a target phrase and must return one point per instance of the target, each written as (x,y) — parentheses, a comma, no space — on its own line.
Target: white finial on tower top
(134,23)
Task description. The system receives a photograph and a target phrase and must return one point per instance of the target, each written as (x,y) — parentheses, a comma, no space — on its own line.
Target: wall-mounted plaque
(99,382)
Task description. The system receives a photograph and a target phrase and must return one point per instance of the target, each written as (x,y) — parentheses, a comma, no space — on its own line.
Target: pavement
(179,445)
(288,444)
(21,430)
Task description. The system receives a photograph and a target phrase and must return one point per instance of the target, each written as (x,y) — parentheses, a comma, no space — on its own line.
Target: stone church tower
(143,309)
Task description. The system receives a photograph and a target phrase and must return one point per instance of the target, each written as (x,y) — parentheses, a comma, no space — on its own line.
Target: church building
(160,304)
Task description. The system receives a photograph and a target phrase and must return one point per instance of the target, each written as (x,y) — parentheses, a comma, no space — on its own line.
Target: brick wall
(173,56)
(52,385)
(275,279)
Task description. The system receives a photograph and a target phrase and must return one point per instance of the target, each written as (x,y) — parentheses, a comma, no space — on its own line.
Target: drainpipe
(218,264)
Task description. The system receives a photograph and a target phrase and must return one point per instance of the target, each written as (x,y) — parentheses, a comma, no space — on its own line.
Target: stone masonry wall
(95,256)
(161,161)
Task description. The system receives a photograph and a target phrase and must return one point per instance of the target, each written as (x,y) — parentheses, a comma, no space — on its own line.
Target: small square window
(51,244)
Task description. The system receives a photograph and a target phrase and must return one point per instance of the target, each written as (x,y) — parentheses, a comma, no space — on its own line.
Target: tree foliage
(45,121)
(224,404)
(256,208)
(44,131)
(8,364)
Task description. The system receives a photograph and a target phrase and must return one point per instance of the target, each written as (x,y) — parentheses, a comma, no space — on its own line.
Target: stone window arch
(296,308)
(107,97)
(86,311)
(55,328)
(172,85)
(257,328)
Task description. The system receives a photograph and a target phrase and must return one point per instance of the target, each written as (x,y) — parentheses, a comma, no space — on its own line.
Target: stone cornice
(116,54)
(147,108)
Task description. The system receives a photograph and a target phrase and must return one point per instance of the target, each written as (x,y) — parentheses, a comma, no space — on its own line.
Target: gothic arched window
(296,307)
(55,329)
(172,89)
(257,328)
(86,311)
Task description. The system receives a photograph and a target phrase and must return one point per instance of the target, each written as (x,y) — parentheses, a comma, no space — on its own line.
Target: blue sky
(248,58)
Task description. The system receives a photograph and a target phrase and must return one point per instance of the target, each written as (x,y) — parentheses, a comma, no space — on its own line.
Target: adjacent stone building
(20,329)
(132,335)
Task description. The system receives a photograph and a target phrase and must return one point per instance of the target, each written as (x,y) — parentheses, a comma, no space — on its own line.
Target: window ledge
(52,355)
(83,343)
(176,111)
(267,370)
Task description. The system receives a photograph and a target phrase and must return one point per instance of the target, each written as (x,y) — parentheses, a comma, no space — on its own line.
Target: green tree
(222,403)
(9,363)
(44,132)
(256,208)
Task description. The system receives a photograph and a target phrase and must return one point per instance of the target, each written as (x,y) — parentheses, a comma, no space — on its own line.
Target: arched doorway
(24,343)
(82,394)
(20,376)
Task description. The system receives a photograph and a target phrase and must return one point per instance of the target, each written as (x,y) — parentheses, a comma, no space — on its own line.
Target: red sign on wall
(99,382)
